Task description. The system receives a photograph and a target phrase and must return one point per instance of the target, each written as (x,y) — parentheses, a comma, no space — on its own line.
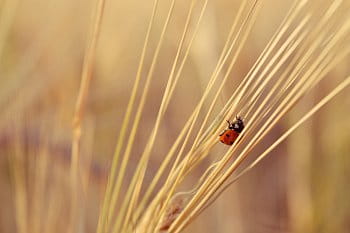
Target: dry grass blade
(250,19)
(344,84)
(109,191)
(166,161)
(306,81)
(80,105)
(134,129)
(212,80)
(171,84)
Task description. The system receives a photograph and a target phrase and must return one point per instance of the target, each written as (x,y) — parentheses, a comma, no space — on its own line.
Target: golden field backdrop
(301,186)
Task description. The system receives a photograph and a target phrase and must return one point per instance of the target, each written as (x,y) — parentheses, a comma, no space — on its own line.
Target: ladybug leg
(230,125)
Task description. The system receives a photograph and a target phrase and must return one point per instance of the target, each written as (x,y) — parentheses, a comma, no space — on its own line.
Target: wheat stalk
(86,77)
(289,92)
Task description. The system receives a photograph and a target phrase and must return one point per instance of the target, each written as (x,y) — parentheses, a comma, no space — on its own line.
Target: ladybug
(229,136)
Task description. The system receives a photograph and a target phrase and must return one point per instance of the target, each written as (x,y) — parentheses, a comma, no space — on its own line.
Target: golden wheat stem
(265,130)
(187,158)
(301,64)
(322,73)
(223,57)
(309,114)
(178,140)
(111,178)
(133,131)
(162,168)
(214,77)
(181,171)
(240,158)
(248,23)
(146,153)
(247,81)
(80,105)
(275,67)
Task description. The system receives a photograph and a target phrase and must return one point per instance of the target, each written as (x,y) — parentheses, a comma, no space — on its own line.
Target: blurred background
(301,187)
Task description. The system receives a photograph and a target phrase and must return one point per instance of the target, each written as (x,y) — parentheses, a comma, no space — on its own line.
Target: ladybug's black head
(237,125)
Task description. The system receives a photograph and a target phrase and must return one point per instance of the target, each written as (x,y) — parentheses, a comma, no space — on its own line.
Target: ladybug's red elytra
(230,134)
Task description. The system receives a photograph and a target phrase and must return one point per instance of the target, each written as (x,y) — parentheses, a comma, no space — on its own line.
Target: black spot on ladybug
(227,135)
(231,142)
